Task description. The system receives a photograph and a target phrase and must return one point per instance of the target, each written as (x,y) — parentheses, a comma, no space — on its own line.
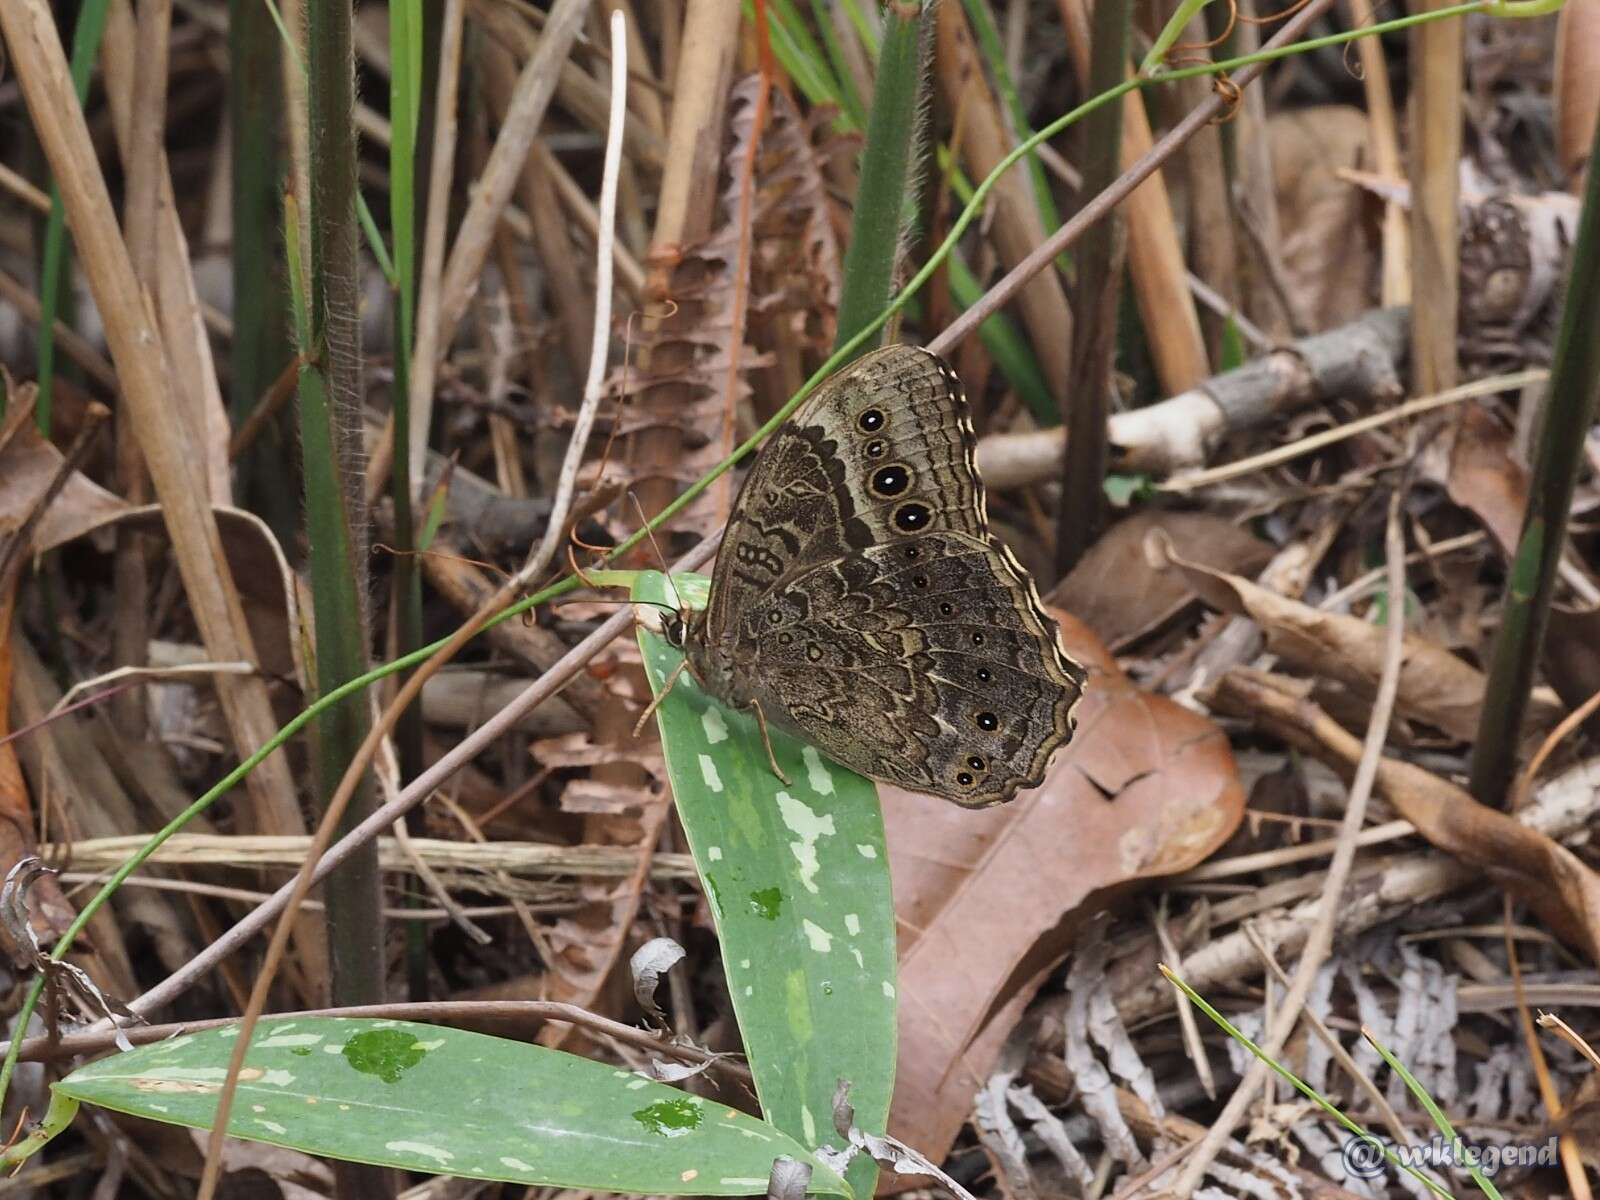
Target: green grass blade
(994,54)
(849,99)
(1304,1088)
(1440,1121)
(799,55)
(885,195)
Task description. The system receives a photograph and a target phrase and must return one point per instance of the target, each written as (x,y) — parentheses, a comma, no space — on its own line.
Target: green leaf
(1231,353)
(1123,490)
(426,1098)
(799,888)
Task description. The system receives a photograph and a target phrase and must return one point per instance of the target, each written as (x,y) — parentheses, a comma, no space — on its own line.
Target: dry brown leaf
(1485,477)
(1436,687)
(1329,250)
(267,585)
(1555,881)
(27,465)
(988,901)
(1115,590)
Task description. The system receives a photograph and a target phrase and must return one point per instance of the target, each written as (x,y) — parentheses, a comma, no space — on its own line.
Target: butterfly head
(675,629)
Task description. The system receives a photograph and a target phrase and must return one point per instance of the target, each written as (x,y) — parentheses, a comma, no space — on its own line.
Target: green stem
(405,94)
(1434,1111)
(330,421)
(56,1118)
(1300,1085)
(1569,411)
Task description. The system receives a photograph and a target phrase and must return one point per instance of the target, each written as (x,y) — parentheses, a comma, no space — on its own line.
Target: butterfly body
(860,601)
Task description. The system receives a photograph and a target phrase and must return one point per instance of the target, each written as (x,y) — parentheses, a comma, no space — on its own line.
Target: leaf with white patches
(424,1098)
(798,886)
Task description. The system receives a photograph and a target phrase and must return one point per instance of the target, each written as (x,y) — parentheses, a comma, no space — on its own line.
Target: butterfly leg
(766,739)
(666,689)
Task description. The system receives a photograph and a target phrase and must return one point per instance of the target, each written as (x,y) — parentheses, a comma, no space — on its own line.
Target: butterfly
(860,601)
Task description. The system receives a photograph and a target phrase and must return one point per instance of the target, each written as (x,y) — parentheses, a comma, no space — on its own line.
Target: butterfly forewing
(860,600)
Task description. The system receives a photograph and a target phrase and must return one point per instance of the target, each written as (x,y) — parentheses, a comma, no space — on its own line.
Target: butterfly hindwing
(934,672)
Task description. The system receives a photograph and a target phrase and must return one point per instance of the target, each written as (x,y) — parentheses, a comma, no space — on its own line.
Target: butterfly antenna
(660,557)
(666,689)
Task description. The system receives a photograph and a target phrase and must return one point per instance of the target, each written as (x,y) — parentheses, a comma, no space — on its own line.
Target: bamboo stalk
(1436,95)
(1087,403)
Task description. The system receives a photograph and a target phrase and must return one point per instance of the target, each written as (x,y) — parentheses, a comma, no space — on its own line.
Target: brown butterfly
(860,601)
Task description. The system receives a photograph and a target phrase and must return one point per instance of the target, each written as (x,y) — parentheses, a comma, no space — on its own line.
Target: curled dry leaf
(1556,882)
(267,587)
(988,901)
(1116,591)
(27,465)
(649,963)
(1436,687)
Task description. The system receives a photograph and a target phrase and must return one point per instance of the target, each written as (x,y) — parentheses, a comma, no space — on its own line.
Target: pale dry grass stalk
(489,198)
(1437,51)
(600,329)
(1384,138)
(192,371)
(250,852)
